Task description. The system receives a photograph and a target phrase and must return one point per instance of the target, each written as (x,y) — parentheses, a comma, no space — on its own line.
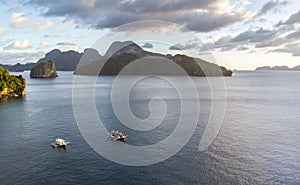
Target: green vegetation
(192,66)
(10,81)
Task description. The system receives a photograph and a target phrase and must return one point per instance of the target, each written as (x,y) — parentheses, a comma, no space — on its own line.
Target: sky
(238,34)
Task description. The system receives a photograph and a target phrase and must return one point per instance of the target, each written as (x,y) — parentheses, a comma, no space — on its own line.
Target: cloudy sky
(240,34)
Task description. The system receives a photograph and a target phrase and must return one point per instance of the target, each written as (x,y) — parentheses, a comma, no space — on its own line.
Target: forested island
(121,54)
(10,85)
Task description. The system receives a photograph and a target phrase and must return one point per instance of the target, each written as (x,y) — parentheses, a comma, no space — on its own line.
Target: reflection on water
(258,142)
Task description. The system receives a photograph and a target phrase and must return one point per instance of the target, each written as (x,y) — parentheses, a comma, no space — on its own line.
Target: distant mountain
(5,66)
(120,54)
(297,68)
(89,55)
(64,61)
(278,68)
(16,68)
(29,66)
(128,47)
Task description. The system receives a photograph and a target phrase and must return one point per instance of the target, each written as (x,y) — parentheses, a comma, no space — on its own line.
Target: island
(278,68)
(121,54)
(296,68)
(118,55)
(16,68)
(45,69)
(10,85)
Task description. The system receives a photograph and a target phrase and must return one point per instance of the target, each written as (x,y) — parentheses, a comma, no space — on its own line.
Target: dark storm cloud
(293,49)
(66,44)
(205,22)
(147,45)
(187,46)
(242,48)
(271,5)
(174,47)
(195,15)
(272,43)
(154,6)
(260,38)
(294,35)
(115,19)
(259,35)
(293,19)
(102,14)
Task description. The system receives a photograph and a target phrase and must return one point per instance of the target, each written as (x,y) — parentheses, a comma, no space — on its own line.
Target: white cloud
(80,37)
(44,45)
(18,45)
(41,26)
(20,21)
(19,57)
(68,47)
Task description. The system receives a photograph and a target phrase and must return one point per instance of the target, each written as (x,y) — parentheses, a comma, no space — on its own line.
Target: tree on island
(10,84)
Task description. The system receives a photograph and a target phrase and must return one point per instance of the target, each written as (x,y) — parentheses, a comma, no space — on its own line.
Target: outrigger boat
(60,143)
(115,135)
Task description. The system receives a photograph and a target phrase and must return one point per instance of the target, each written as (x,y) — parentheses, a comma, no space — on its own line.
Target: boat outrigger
(115,135)
(60,143)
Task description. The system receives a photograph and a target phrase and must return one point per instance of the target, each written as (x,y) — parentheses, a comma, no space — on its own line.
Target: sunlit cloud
(44,45)
(2,32)
(20,21)
(17,45)
(19,57)
(80,37)
(67,48)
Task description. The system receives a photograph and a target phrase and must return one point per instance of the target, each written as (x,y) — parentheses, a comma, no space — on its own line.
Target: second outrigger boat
(115,135)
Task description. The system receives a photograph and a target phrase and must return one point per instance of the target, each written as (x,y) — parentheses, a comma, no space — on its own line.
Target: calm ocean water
(257,144)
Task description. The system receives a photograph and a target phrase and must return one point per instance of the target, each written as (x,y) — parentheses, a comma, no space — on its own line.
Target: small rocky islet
(45,69)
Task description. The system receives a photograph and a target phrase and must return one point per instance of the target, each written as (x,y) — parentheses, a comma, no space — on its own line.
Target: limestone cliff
(44,70)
